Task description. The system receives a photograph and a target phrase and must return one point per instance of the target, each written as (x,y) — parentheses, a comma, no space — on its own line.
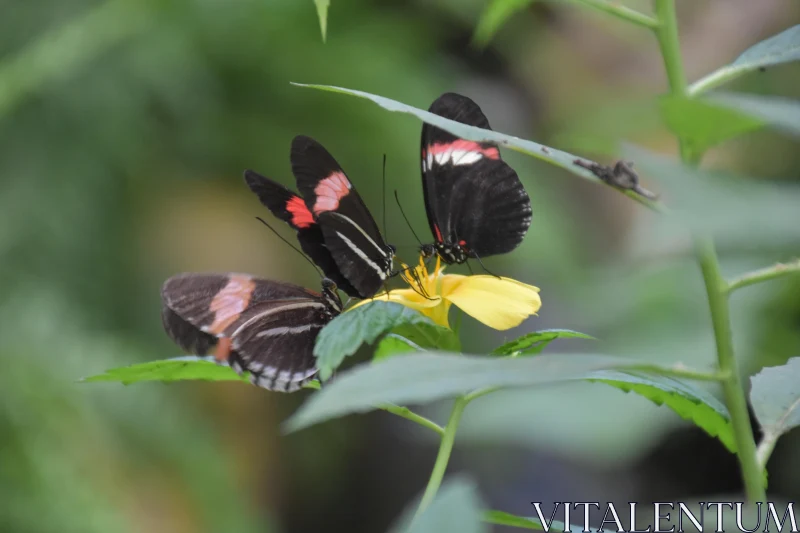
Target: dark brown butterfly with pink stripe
(475,202)
(333,224)
(265,328)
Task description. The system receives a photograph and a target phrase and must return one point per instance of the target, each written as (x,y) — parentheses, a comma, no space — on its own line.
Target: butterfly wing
(258,326)
(292,209)
(332,199)
(472,197)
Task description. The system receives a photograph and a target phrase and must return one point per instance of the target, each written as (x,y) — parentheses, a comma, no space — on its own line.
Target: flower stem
(621,12)
(408,414)
(716,287)
(764,274)
(443,457)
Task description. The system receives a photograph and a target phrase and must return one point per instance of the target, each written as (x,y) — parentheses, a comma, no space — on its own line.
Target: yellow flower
(500,303)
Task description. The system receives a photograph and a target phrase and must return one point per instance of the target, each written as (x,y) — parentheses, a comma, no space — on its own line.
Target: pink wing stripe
(330,191)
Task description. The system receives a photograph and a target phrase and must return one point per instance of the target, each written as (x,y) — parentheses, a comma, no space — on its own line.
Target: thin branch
(408,414)
(620,12)
(765,274)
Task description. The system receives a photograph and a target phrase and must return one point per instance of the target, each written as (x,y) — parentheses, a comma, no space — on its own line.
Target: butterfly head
(330,296)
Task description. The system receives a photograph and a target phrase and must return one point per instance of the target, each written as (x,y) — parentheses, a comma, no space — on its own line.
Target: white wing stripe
(287,330)
(281,309)
(363,256)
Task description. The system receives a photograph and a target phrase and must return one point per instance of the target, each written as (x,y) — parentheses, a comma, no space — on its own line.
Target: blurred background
(125,126)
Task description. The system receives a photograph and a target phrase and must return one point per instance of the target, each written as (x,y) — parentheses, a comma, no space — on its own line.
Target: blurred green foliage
(124,129)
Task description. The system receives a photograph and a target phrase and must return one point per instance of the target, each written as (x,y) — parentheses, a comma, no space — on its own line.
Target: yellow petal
(407,297)
(500,303)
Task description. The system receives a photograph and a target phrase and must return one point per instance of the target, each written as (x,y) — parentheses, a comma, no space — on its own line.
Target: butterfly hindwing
(472,197)
(291,208)
(258,326)
(353,237)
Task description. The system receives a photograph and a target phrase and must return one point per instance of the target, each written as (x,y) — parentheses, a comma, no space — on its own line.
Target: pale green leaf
(775,397)
(426,377)
(781,48)
(501,518)
(702,124)
(495,15)
(553,156)
(533,343)
(345,334)
(776,111)
(175,369)
(322,14)
(455,509)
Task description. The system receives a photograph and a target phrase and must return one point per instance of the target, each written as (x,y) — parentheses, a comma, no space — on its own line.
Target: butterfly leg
(484,267)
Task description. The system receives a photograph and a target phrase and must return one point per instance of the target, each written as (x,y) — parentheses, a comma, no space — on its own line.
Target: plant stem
(715,79)
(716,287)
(408,414)
(443,457)
(764,274)
(621,12)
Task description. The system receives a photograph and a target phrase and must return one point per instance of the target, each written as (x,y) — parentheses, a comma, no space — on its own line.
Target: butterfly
(476,204)
(334,226)
(256,326)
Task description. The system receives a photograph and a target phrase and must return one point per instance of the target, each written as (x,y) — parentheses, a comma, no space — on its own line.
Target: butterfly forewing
(354,240)
(291,208)
(473,198)
(262,327)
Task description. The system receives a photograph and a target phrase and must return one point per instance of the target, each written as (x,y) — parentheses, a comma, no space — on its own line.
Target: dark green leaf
(416,338)
(775,396)
(322,14)
(689,401)
(456,509)
(702,124)
(533,343)
(425,377)
(176,369)
(494,15)
(781,113)
(551,155)
(344,335)
(501,518)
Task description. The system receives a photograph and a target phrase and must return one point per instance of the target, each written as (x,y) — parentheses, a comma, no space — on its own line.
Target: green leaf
(501,518)
(533,343)
(689,401)
(702,124)
(425,377)
(456,509)
(493,16)
(175,369)
(345,334)
(416,338)
(781,48)
(553,156)
(781,113)
(775,396)
(738,212)
(322,14)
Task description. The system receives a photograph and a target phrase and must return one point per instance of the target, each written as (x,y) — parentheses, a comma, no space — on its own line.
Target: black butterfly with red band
(333,225)
(475,202)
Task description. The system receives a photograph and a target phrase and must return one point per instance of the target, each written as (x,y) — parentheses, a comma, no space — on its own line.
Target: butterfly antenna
(383,194)
(293,247)
(397,199)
